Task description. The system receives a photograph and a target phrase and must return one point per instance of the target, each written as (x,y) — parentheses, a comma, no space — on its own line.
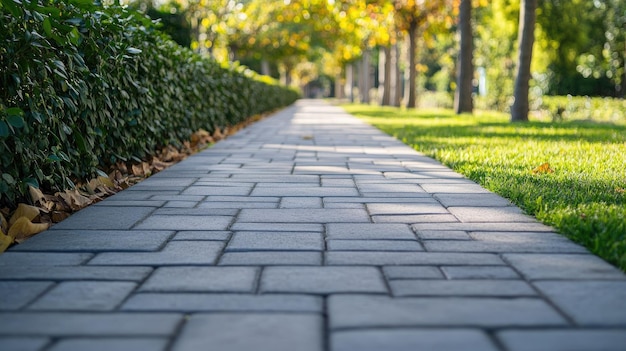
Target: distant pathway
(307,231)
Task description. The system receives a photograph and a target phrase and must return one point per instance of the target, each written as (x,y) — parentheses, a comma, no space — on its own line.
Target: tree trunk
(384,76)
(412,65)
(465,72)
(364,78)
(526,38)
(350,82)
(339,93)
(396,77)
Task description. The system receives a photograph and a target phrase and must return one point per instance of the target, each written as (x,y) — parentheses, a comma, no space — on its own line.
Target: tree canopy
(579,45)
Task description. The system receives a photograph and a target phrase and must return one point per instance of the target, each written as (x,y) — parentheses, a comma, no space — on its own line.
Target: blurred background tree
(393,50)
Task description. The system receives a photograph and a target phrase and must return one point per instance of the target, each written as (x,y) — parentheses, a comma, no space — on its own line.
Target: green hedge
(83,86)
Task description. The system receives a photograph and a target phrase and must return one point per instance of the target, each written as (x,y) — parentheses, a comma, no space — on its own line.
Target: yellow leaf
(4,225)
(137,170)
(106,181)
(5,241)
(23,228)
(544,168)
(24,210)
(75,200)
(35,194)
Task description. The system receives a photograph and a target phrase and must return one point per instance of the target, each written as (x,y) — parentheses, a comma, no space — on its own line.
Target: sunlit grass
(584,198)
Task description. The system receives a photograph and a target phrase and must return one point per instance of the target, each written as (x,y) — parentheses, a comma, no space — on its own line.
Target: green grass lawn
(585,195)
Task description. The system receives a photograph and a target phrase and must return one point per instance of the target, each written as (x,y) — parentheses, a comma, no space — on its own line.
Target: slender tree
(525,39)
(463,102)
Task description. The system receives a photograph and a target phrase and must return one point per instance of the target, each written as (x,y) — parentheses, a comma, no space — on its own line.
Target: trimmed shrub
(83,86)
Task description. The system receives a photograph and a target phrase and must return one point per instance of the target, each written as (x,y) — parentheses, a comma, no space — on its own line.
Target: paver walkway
(307,231)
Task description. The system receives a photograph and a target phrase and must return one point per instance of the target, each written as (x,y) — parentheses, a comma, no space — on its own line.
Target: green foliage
(585,197)
(84,86)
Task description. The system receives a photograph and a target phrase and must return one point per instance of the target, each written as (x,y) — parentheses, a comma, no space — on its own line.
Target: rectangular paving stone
(563,340)
(219,235)
(75,273)
(202,279)
(477,200)
(73,324)
(196,302)
(322,280)
(251,331)
(278,227)
(406,209)
(304,191)
(487,272)
(11,258)
(389,188)
(410,219)
(96,240)
(367,231)
(301,202)
(373,245)
(337,182)
(186,198)
(183,222)
(490,214)
(494,288)
(237,205)
(195,212)
(537,246)
(344,205)
(107,344)
(371,311)
(130,203)
(412,272)
(373,258)
(279,241)
(380,198)
(214,190)
(17,294)
(180,204)
(443,235)
(271,258)
(174,253)
(272,199)
(589,303)
(84,296)
(411,339)
(455,187)
(489,226)
(563,266)
(17,343)
(165,181)
(99,217)
(303,215)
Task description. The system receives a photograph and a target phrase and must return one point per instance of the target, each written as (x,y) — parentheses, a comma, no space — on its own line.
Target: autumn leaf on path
(543,169)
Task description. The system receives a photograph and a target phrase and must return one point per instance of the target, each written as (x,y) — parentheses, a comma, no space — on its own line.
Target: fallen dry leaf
(23,228)
(5,242)
(4,225)
(542,169)
(75,199)
(24,210)
(35,194)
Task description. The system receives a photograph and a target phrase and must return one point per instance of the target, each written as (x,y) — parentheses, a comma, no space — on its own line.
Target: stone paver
(207,279)
(84,296)
(411,340)
(307,231)
(252,331)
